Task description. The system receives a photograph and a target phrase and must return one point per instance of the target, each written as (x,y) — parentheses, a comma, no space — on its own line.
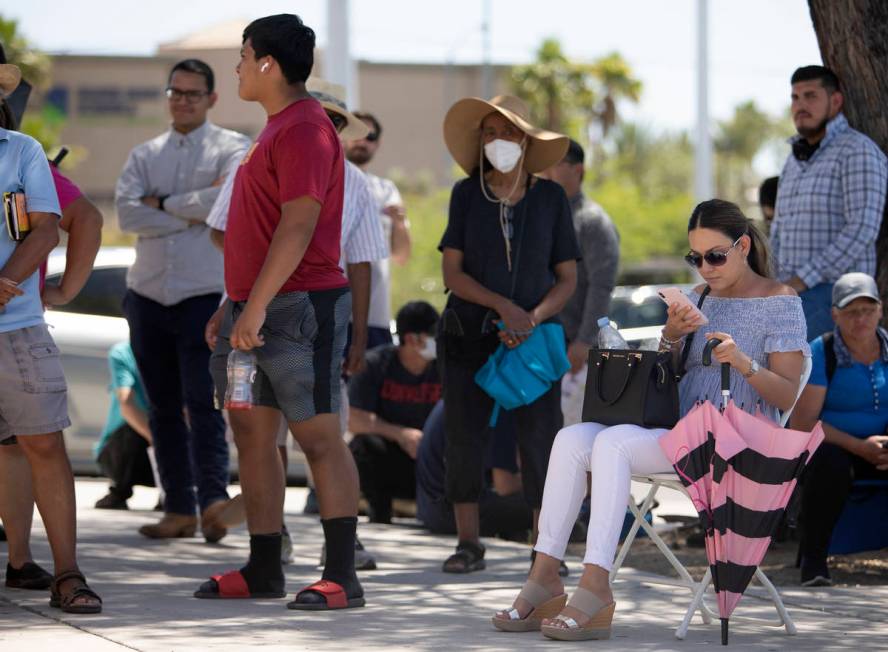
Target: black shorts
(299,366)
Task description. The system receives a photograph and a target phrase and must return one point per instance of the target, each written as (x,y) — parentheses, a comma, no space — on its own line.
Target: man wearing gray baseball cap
(848,391)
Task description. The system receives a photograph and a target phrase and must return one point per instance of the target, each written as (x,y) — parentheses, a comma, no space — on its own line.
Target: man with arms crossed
(289,303)
(164,194)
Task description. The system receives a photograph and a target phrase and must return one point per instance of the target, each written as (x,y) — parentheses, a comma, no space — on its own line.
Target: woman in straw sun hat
(509,262)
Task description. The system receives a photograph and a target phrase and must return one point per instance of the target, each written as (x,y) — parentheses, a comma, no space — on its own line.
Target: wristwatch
(753,369)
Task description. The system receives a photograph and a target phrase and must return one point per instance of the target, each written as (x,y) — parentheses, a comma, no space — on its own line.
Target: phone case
(674,295)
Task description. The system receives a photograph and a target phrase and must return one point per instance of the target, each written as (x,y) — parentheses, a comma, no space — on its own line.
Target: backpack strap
(829,350)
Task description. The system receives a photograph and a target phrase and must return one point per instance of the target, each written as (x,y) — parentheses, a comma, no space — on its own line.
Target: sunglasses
(713,257)
(338,121)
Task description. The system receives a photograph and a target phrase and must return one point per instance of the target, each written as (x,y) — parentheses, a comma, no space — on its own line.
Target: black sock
(263,572)
(340,535)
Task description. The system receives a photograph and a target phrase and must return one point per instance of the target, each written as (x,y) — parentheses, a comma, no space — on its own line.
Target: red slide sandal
(334,596)
(232,585)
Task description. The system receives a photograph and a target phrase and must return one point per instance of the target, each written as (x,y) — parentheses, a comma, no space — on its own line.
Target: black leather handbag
(634,387)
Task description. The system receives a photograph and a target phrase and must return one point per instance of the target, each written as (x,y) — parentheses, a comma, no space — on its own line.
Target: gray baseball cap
(854,286)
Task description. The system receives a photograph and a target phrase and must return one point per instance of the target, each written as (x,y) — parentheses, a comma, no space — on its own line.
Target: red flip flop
(334,596)
(232,586)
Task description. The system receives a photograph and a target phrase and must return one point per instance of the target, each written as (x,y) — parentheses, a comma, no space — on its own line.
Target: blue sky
(754,44)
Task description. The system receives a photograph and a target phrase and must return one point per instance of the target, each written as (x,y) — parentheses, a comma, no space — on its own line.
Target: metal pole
(486,68)
(703,189)
(338,66)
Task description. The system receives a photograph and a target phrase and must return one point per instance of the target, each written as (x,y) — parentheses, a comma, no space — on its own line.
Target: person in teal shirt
(848,391)
(123,450)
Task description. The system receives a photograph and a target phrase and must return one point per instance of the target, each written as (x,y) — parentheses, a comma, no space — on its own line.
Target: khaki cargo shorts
(33,392)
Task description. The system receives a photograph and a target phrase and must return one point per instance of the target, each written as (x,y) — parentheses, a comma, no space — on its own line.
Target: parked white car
(87,328)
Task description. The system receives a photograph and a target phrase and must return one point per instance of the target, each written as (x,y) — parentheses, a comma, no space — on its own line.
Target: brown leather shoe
(212,524)
(171,526)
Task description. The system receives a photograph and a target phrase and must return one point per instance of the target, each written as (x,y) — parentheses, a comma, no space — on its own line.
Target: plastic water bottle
(241,374)
(609,337)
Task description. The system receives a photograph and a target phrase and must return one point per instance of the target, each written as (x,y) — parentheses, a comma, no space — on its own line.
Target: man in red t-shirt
(289,303)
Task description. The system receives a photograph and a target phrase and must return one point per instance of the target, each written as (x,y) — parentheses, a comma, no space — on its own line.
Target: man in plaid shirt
(830,199)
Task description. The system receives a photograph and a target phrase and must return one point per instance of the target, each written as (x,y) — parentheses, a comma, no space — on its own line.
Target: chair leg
(785,618)
(633,531)
(696,603)
(686,578)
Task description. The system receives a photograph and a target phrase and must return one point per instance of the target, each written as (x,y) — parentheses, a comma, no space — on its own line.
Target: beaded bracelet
(666,340)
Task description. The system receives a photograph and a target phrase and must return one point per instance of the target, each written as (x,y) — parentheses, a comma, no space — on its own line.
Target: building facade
(112,103)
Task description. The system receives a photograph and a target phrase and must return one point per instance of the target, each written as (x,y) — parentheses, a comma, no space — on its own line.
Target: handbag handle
(600,364)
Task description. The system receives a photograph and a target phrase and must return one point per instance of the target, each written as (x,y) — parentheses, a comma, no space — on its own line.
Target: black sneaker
(111,501)
(29,576)
(311,503)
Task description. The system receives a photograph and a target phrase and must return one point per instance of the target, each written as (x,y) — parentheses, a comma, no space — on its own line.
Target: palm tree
(616,83)
(34,64)
(561,94)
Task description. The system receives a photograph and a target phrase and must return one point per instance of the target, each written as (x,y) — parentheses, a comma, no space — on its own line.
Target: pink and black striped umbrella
(740,471)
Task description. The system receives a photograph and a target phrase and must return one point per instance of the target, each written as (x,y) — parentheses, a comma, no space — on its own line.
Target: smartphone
(674,295)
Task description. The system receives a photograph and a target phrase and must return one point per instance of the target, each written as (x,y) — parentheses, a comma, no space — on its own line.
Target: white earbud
(264,67)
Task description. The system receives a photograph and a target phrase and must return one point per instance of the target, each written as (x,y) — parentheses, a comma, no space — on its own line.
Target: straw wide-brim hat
(10,77)
(462,133)
(332,97)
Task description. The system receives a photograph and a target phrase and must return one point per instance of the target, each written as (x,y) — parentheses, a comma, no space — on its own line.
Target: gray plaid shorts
(33,392)
(299,366)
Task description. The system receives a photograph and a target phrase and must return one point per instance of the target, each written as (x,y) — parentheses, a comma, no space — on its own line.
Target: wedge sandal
(598,626)
(545,605)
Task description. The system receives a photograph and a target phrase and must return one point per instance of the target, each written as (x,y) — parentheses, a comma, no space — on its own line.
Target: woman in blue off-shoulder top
(762,328)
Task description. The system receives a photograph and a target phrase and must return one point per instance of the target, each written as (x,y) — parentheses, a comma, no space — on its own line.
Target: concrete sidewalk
(147,588)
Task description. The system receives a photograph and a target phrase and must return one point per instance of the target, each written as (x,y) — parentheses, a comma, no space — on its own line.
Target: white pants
(611,455)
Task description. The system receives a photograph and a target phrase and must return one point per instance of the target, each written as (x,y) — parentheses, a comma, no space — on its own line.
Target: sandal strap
(513,614)
(466,553)
(82,591)
(475,549)
(65,576)
(586,601)
(534,593)
(567,620)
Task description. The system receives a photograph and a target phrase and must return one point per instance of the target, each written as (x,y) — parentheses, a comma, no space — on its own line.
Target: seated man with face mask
(389,403)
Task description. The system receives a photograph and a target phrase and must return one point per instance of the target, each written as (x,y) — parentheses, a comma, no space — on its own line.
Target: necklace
(504,206)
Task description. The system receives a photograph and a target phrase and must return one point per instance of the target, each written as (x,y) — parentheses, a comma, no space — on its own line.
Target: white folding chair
(697,589)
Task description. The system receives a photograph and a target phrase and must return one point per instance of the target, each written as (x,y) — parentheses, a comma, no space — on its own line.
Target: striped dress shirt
(361,240)
(829,208)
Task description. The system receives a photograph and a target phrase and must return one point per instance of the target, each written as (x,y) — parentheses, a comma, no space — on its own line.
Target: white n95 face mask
(503,154)
(429,349)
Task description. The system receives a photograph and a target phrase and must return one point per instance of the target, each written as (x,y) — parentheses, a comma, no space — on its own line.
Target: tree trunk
(853,40)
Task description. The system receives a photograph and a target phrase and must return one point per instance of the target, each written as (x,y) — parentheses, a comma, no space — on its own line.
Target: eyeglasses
(191,97)
(372,137)
(713,257)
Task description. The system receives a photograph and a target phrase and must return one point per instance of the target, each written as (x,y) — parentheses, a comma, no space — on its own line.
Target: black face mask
(803,150)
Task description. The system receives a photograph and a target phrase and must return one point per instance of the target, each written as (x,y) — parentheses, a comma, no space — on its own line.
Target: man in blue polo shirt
(848,391)
(33,398)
